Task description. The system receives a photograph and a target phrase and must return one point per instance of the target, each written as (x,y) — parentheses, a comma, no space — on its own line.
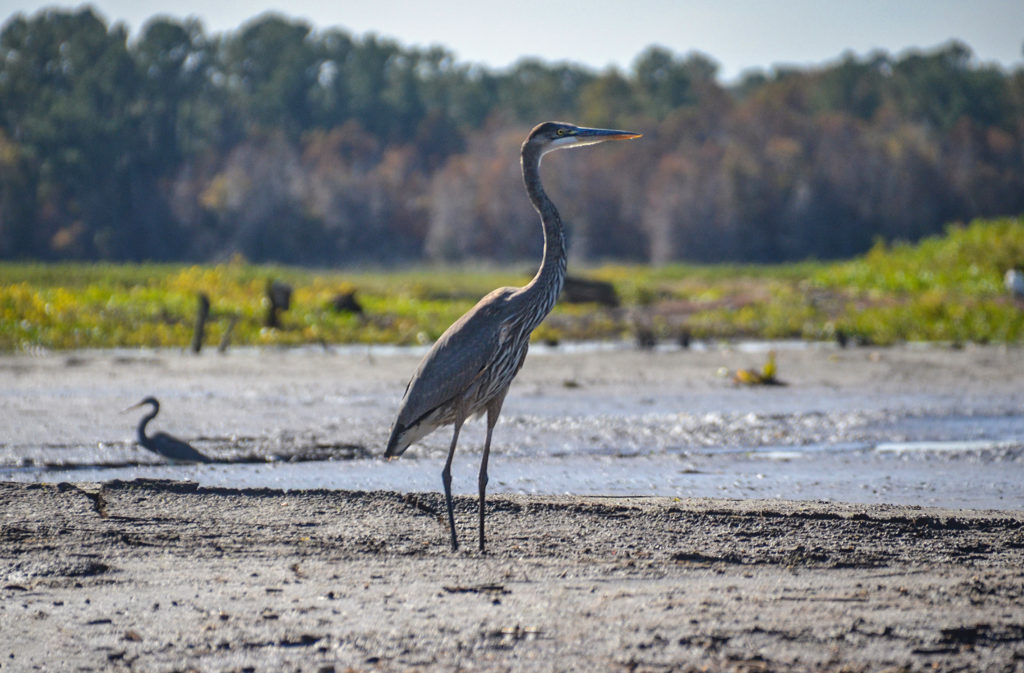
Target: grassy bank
(947,288)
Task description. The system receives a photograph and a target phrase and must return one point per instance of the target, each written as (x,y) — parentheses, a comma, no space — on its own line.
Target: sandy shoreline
(167,576)
(161,576)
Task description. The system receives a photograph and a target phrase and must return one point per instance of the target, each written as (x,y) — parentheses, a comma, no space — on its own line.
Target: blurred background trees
(282,143)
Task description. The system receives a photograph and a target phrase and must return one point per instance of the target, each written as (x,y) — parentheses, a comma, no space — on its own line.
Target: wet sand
(165,576)
(162,576)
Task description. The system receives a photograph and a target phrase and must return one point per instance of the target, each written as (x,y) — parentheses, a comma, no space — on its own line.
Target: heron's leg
(446,479)
(493,410)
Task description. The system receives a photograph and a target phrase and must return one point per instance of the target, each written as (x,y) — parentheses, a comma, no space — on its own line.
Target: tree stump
(346,302)
(583,290)
(278,299)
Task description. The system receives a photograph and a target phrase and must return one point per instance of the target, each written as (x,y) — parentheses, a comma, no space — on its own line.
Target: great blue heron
(163,444)
(469,369)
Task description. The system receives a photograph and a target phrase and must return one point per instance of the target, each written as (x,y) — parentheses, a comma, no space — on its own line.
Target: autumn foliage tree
(284,143)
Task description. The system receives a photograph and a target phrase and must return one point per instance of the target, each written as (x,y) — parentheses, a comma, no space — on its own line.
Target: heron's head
(148,400)
(551,136)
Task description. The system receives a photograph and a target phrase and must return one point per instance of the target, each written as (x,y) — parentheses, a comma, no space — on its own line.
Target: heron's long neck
(141,432)
(543,290)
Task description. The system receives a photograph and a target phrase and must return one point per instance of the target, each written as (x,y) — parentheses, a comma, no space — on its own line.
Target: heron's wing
(457,358)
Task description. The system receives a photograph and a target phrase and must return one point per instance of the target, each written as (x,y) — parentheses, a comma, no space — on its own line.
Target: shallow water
(976,474)
(954,461)
(632,432)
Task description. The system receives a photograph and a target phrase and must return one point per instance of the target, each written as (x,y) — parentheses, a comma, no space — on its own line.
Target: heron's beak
(584,136)
(134,406)
(588,136)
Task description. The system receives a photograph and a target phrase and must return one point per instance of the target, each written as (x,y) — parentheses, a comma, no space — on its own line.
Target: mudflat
(168,576)
(160,576)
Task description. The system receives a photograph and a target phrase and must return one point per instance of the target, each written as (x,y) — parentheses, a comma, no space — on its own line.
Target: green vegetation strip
(947,288)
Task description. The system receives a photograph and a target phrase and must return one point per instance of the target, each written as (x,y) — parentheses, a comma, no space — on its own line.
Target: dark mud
(165,576)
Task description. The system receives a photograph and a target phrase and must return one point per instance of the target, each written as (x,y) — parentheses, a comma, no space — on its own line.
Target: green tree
(665,82)
(331,98)
(533,91)
(272,68)
(940,87)
(18,235)
(174,61)
(852,86)
(67,85)
(367,73)
(607,100)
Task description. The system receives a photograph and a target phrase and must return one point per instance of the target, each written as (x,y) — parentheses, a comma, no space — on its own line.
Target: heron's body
(163,444)
(469,369)
(491,340)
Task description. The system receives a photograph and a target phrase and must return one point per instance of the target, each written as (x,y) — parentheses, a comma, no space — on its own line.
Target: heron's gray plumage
(453,372)
(470,367)
(163,444)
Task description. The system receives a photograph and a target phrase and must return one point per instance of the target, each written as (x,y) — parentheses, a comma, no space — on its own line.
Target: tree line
(284,143)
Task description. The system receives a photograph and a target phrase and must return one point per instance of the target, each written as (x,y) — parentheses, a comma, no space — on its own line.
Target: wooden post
(224,340)
(202,313)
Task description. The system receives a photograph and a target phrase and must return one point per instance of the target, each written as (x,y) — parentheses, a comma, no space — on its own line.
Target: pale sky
(738,34)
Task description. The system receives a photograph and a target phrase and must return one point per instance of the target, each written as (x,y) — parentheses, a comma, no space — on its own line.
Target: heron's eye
(561,132)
